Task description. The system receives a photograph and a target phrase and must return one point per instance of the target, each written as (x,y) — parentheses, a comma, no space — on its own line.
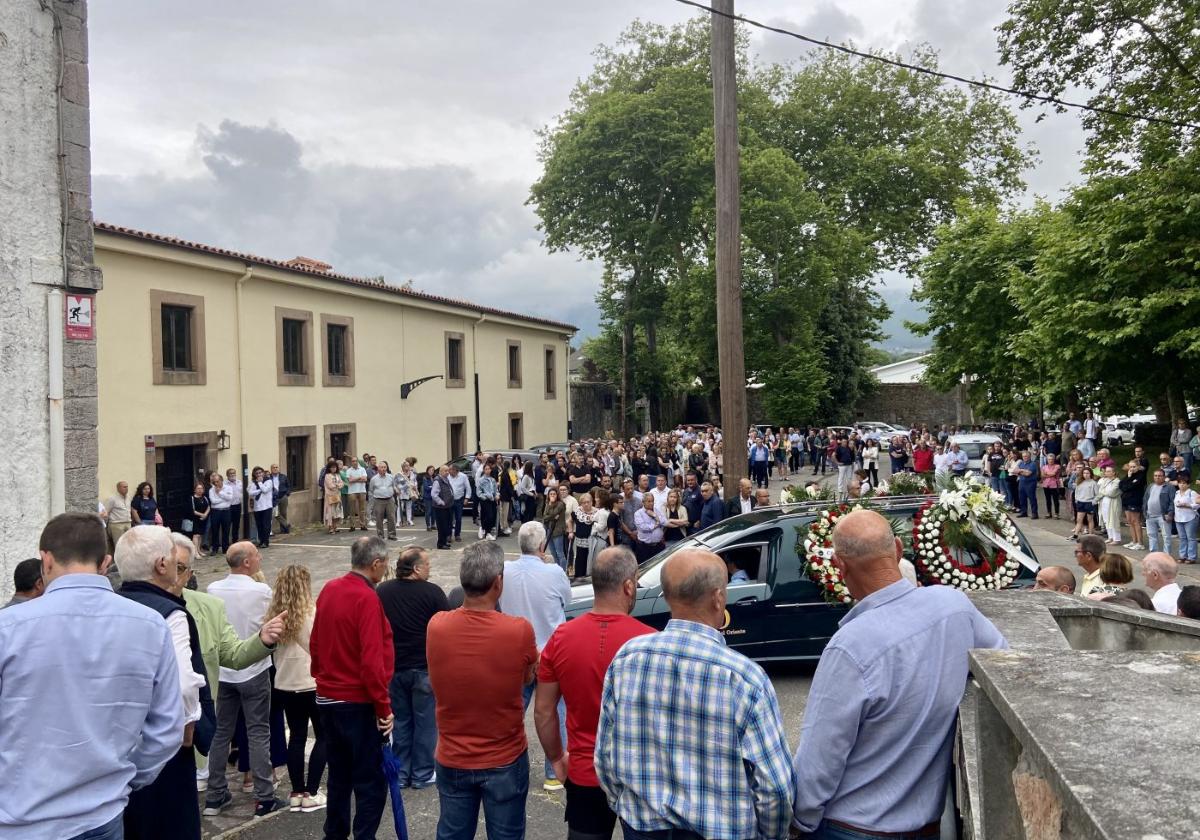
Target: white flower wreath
(967,506)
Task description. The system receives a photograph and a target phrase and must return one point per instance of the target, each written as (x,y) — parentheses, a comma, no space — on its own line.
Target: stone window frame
(514,382)
(341,429)
(198,375)
(329,380)
(310,468)
(450,421)
(460,382)
(293,379)
(518,443)
(550,371)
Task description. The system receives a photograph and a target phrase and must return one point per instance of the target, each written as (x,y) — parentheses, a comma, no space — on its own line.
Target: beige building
(207,355)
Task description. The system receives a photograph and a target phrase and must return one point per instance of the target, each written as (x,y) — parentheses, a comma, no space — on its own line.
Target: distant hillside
(898,340)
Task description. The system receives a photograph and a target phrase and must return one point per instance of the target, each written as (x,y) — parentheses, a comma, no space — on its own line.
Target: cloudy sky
(399,139)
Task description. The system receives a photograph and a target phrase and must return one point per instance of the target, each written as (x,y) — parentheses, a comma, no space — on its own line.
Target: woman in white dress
(1109,491)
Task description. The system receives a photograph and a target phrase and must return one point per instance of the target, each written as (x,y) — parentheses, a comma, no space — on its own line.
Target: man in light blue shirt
(538,592)
(90,707)
(874,750)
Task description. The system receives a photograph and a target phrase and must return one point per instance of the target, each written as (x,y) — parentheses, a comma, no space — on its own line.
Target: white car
(974,446)
(1118,434)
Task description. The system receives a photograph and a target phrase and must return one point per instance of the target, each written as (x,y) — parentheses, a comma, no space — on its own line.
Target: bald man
(874,751)
(685,723)
(1160,571)
(1055,579)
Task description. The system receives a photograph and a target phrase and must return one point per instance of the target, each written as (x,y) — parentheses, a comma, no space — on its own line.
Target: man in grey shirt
(383,502)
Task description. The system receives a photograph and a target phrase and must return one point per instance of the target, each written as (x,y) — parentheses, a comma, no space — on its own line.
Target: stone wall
(32,258)
(912,405)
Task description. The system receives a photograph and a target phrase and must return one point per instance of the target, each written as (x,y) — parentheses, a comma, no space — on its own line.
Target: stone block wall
(45,244)
(911,405)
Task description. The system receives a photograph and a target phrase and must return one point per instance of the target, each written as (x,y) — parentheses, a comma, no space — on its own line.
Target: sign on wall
(80,320)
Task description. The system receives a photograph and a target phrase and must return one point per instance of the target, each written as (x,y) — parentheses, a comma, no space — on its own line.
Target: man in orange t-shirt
(573,665)
(479,662)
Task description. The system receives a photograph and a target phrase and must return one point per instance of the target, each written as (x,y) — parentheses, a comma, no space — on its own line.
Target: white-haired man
(1160,571)
(538,592)
(144,556)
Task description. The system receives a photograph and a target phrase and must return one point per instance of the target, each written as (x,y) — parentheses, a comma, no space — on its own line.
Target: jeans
(527,694)
(487,515)
(300,709)
(218,530)
(558,550)
(114,829)
(458,512)
(758,473)
(428,511)
(1187,539)
(1027,497)
(415,733)
(253,698)
(503,792)
(355,750)
(999,485)
(1159,531)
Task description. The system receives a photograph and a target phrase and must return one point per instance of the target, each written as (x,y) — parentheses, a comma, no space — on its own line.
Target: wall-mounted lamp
(222,440)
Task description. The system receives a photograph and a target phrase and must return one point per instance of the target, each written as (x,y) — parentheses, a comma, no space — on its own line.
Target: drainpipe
(241,412)
(475,370)
(54,335)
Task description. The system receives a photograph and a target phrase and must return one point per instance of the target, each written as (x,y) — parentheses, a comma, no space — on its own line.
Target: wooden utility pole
(730,359)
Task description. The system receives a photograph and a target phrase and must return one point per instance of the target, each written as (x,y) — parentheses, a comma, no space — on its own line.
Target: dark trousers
(458,512)
(218,530)
(235,522)
(262,524)
(487,515)
(300,709)
(796,460)
(444,517)
(818,461)
(1051,494)
(1027,497)
(167,808)
(414,736)
(873,473)
(631,833)
(355,751)
(758,473)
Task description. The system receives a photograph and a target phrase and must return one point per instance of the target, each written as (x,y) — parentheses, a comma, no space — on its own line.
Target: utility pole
(730,359)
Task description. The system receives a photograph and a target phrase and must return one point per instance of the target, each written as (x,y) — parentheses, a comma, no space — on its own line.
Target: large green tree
(847,168)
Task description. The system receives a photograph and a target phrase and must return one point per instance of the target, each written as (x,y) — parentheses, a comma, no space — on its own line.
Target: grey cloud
(828,22)
(441,226)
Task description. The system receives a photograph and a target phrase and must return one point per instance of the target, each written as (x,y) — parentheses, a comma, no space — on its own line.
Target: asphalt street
(329,556)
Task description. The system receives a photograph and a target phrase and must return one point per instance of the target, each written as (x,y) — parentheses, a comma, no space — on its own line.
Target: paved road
(329,556)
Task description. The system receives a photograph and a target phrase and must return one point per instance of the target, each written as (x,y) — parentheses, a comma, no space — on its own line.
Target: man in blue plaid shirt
(690,742)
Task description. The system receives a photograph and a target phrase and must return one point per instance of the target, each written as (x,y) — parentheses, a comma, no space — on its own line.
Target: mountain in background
(898,341)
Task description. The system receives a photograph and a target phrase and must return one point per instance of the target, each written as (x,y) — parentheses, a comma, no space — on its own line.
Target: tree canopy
(847,169)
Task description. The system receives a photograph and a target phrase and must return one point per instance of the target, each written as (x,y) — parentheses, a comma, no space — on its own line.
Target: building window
(293,353)
(296,459)
(514,364)
(551,375)
(340,438)
(338,347)
(456,437)
(177,338)
(293,347)
(455,366)
(516,434)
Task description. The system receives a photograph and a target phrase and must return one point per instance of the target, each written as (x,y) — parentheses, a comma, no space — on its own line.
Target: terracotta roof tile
(298,267)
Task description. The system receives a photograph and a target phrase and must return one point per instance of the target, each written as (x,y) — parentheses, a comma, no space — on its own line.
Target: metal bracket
(408,387)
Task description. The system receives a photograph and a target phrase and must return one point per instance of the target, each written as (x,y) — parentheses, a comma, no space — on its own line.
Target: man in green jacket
(219,642)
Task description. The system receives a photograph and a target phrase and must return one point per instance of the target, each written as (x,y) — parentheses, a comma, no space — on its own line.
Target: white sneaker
(1138,547)
(315,802)
(491,537)
(295,799)
(481,533)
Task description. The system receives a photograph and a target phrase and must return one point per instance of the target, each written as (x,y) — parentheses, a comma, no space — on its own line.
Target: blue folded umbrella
(391,770)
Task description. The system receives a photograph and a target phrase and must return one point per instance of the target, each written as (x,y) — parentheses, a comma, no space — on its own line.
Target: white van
(974,445)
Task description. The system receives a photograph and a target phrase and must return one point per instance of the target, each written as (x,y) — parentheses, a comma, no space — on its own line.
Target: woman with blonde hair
(1116,573)
(295,687)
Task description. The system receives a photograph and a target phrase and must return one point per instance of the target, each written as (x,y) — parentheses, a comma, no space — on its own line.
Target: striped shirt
(690,737)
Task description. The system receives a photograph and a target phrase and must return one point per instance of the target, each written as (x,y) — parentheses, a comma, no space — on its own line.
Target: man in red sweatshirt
(352,659)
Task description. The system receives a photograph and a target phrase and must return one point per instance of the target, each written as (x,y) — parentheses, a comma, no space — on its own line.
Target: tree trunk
(1162,409)
(1072,400)
(655,394)
(627,344)
(1175,403)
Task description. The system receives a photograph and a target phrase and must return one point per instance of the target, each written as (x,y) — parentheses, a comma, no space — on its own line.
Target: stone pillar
(45,244)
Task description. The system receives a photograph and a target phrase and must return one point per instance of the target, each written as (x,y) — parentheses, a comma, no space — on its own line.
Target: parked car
(543,448)
(465,464)
(974,445)
(779,614)
(876,430)
(1119,434)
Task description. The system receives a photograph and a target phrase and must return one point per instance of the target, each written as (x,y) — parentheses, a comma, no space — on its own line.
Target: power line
(1024,94)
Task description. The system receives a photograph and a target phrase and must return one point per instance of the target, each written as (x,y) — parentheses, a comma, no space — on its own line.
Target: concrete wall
(911,405)
(33,261)
(395,340)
